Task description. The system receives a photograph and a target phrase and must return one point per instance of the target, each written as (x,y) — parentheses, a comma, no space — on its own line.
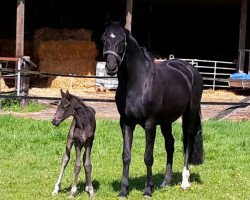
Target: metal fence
(215,73)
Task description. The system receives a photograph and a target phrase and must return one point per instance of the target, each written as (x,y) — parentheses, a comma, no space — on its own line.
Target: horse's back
(176,82)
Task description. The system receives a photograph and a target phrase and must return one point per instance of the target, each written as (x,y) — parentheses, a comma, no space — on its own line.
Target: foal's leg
(166,130)
(88,168)
(150,129)
(127,132)
(65,159)
(77,169)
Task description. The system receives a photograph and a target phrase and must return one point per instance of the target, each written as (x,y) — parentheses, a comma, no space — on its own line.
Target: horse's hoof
(122,195)
(185,186)
(54,193)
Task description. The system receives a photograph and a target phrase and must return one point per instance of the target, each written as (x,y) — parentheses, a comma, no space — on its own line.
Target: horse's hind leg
(77,169)
(88,168)
(192,140)
(166,130)
(64,163)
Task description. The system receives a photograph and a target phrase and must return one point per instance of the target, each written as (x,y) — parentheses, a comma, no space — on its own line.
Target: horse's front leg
(65,160)
(150,129)
(127,132)
(88,168)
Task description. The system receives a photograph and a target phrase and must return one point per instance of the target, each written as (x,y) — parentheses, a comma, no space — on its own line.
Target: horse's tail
(196,156)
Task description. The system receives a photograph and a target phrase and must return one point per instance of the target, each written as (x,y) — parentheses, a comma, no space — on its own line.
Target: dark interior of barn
(197,29)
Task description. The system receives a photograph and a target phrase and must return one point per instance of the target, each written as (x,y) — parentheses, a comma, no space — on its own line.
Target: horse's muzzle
(111,71)
(111,65)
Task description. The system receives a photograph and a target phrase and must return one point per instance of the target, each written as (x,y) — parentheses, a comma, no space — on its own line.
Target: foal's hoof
(90,191)
(164,184)
(147,195)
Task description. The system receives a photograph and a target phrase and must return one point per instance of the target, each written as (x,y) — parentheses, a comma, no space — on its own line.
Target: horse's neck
(137,69)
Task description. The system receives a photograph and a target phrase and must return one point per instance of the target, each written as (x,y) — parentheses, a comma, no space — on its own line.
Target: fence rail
(214,73)
(214,76)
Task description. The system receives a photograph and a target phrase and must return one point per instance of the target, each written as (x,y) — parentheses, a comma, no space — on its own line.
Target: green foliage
(31,151)
(14,105)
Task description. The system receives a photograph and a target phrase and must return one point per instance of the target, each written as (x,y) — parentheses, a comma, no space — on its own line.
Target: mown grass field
(31,151)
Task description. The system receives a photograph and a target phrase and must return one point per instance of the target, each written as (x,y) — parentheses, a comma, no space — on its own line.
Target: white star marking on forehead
(112,35)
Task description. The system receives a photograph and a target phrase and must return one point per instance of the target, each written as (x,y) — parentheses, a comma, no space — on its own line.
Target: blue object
(240,76)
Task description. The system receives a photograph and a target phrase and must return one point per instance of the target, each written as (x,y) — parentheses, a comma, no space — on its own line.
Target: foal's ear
(67,95)
(62,93)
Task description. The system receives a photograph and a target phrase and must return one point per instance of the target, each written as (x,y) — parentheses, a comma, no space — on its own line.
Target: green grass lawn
(31,151)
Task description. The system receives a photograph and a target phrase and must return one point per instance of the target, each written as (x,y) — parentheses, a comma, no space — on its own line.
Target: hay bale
(72,83)
(67,57)
(75,67)
(47,34)
(66,50)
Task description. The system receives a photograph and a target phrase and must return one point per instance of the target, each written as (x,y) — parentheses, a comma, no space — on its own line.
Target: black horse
(152,94)
(81,134)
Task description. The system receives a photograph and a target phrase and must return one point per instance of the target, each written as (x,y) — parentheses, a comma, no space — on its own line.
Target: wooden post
(20,28)
(20,46)
(129,9)
(242,35)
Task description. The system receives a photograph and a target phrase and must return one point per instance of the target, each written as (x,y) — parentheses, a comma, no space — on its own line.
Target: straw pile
(72,83)
(66,51)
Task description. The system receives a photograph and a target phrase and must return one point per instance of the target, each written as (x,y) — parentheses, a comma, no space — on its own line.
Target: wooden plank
(242,35)
(129,9)
(9,59)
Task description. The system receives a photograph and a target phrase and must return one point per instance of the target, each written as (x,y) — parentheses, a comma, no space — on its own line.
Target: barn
(63,36)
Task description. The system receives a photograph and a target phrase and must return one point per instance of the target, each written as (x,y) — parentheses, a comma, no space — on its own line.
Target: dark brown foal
(81,134)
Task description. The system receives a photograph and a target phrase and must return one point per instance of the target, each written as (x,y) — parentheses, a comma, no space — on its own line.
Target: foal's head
(114,47)
(66,107)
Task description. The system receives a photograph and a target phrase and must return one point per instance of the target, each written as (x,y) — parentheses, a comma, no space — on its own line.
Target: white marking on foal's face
(112,35)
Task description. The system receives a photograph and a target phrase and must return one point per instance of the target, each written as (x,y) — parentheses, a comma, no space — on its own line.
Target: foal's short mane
(78,99)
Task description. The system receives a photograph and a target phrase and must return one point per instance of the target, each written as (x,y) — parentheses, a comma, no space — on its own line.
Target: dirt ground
(108,110)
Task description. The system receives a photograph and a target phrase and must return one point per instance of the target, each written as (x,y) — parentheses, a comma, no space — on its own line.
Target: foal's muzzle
(55,122)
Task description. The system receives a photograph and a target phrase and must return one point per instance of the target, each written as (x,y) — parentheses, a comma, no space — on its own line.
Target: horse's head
(65,108)
(114,47)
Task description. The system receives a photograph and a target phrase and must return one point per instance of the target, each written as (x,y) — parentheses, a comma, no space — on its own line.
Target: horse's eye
(66,105)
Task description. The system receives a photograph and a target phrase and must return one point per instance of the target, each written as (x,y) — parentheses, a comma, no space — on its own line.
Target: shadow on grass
(138,183)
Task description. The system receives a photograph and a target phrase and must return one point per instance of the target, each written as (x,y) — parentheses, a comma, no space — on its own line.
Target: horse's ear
(122,21)
(108,20)
(62,93)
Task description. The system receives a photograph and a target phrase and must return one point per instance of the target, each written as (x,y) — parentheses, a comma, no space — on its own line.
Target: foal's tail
(196,156)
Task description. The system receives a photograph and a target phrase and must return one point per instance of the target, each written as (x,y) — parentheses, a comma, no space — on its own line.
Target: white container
(108,83)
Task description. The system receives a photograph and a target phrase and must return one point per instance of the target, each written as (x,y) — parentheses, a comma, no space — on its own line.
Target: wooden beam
(242,35)
(129,9)
(20,28)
